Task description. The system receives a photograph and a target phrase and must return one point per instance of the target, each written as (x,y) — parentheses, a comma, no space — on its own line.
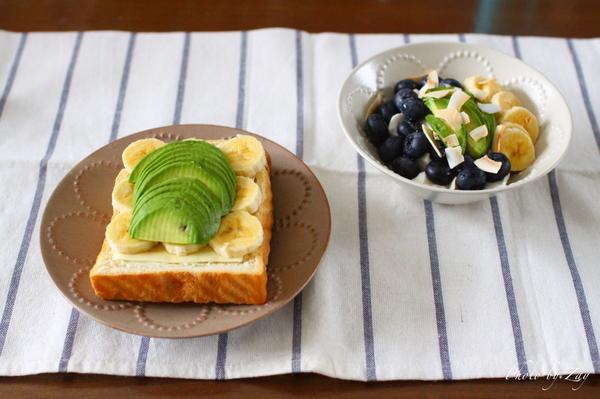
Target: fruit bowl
(379,74)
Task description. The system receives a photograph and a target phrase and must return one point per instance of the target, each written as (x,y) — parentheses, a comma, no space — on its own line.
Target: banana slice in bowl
(524,117)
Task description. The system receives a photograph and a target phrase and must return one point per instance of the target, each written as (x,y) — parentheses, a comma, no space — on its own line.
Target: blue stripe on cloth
(221,356)
(239,122)
(123,88)
(13,72)
(297,315)
(584,92)
(579,291)
(74,319)
(438,297)
(566,244)
(145,341)
(239,118)
(182,79)
(508,288)
(365,278)
(37,198)
(508,285)
(140,369)
(63,364)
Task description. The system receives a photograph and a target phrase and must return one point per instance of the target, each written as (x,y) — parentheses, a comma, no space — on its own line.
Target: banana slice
(122,175)
(245,154)
(248,195)
(240,233)
(482,88)
(525,118)
(182,249)
(122,196)
(514,142)
(117,235)
(505,100)
(138,150)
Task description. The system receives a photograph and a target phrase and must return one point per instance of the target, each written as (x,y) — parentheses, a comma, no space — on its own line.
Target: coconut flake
(431,83)
(458,99)
(452,140)
(479,94)
(438,93)
(478,133)
(394,122)
(431,138)
(490,108)
(433,78)
(454,155)
(465,117)
(487,164)
(450,116)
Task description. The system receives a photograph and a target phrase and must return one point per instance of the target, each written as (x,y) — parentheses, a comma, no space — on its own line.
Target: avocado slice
(191,187)
(442,129)
(203,154)
(216,183)
(194,206)
(477,149)
(435,104)
(173,218)
(191,149)
(181,190)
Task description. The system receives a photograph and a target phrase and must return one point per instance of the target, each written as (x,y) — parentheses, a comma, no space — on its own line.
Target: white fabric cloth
(490,289)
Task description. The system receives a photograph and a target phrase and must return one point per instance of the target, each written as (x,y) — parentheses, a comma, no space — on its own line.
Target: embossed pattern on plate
(80,207)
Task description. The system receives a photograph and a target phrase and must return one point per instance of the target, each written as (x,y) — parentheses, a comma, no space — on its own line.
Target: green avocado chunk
(442,129)
(477,149)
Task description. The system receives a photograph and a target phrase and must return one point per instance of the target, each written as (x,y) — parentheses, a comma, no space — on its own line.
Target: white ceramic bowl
(458,61)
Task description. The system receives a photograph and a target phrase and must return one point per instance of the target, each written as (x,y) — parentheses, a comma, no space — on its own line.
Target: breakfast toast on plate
(191,222)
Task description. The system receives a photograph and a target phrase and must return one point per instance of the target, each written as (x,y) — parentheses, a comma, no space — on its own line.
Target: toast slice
(240,282)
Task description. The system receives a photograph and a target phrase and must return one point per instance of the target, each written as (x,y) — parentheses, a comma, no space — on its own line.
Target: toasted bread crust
(194,286)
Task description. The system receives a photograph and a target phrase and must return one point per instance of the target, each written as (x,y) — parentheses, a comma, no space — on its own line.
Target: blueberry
(467,164)
(377,129)
(405,128)
(405,84)
(451,82)
(504,169)
(439,172)
(405,167)
(415,145)
(402,95)
(387,110)
(391,148)
(421,82)
(470,179)
(414,109)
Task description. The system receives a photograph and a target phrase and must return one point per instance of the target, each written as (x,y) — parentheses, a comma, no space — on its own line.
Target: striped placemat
(407,290)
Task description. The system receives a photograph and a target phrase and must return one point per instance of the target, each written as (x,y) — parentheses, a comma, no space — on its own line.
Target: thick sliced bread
(237,283)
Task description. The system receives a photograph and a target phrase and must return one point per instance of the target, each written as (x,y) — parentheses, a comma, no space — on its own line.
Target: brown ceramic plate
(73,226)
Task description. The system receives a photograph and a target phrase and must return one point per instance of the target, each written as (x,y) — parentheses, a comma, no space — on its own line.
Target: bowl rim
(433,187)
